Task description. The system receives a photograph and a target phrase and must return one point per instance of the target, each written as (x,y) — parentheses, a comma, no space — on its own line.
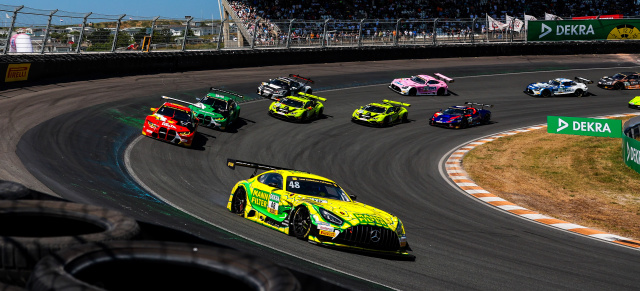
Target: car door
(265,194)
(633,82)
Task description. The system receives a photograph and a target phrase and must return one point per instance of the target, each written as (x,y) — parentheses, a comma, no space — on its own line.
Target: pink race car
(422,85)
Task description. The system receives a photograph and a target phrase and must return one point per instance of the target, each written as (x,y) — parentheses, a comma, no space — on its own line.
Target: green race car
(635,103)
(314,209)
(304,107)
(381,114)
(218,109)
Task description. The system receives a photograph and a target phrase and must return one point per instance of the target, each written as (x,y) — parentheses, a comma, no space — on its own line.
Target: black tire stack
(56,245)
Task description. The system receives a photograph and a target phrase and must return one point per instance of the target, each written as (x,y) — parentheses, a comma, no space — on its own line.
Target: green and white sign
(631,153)
(591,29)
(584,126)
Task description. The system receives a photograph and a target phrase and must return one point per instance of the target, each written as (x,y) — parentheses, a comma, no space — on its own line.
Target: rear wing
(443,78)
(312,96)
(301,78)
(234,94)
(231,163)
(583,80)
(167,97)
(395,103)
(478,104)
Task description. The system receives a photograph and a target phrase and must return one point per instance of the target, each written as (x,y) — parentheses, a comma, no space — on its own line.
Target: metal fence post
(255,33)
(153,25)
(473,30)
(115,37)
(435,32)
(13,23)
(186,32)
(289,33)
(324,33)
(46,33)
(360,32)
(84,24)
(397,34)
(220,33)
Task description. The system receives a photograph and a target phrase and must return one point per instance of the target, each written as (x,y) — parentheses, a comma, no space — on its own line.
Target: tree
(101,35)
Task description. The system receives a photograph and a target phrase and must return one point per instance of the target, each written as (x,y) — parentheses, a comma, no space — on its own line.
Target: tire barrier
(12,190)
(7,287)
(33,229)
(155,265)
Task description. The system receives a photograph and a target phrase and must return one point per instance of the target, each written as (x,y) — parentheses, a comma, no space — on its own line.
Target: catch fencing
(28,30)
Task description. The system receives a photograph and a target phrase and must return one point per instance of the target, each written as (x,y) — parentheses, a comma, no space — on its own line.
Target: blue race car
(462,116)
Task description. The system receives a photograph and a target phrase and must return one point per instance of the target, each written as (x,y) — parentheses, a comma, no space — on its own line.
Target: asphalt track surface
(81,140)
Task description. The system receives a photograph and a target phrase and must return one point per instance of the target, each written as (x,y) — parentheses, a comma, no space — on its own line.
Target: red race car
(172,123)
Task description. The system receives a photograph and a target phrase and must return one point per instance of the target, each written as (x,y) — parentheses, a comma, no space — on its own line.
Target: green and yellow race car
(315,209)
(302,108)
(381,114)
(218,109)
(635,103)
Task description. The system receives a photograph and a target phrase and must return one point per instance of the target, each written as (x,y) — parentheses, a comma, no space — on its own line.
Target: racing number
(294,184)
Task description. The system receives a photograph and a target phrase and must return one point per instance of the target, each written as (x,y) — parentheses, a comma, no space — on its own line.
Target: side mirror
(274,185)
(353,197)
(153,109)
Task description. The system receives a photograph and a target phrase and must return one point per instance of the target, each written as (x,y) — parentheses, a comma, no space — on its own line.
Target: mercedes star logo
(375,235)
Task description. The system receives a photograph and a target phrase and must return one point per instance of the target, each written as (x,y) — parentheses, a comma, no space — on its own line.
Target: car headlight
(184,133)
(400,228)
(405,87)
(151,124)
(330,217)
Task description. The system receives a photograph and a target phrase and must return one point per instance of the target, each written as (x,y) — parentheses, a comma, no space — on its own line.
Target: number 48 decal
(294,184)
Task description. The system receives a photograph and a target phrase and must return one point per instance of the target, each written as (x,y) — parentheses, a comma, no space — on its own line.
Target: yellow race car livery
(381,114)
(302,108)
(315,209)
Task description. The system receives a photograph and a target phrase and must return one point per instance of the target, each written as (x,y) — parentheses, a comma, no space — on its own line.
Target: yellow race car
(315,209)
(381,114)
(302,108)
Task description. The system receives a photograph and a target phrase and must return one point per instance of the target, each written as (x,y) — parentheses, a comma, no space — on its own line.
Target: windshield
(454,111)
(618,76)
(217,104)
(280,83)
(292,102)
(316,188)
(174,113)
(417,79)
(374,109)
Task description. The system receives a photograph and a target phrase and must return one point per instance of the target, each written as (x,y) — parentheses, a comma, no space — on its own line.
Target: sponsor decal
(260,198)
(327,233)
(370,219)
(274,203)
(633,154)
(17,72)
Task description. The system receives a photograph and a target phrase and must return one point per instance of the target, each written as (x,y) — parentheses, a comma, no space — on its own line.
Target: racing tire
(486,119)
(431,122)
(239,201)
(579,93)
(412,92)
(157,265)
(309,91)
(618,86)
(440,92)
(13,191)
(386,122)
(464,124)
(301,223)
(304,117)
(33,229)
(405,118)
(320,113)
(545,93)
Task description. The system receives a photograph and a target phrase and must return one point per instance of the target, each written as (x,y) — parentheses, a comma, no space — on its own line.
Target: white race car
(559,87)
(285,86)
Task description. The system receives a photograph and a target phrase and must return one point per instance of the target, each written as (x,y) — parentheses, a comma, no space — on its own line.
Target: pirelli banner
(590,29)
(631,146)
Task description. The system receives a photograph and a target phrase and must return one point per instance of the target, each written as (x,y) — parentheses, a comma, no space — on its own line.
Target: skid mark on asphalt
(455,172)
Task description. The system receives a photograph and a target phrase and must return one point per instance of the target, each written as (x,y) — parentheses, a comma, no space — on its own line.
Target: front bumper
(370,121)
(531,92)
(397,89)
(358,238)
(168,135)
(633,106)
(457,124)
(268,92)
(284,116)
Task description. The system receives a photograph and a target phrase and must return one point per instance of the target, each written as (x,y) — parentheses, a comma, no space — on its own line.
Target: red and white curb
(457,174)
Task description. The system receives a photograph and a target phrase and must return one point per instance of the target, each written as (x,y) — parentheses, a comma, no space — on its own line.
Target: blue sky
(167,9)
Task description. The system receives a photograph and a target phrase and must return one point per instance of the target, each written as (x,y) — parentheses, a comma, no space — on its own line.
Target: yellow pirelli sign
(17,72)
